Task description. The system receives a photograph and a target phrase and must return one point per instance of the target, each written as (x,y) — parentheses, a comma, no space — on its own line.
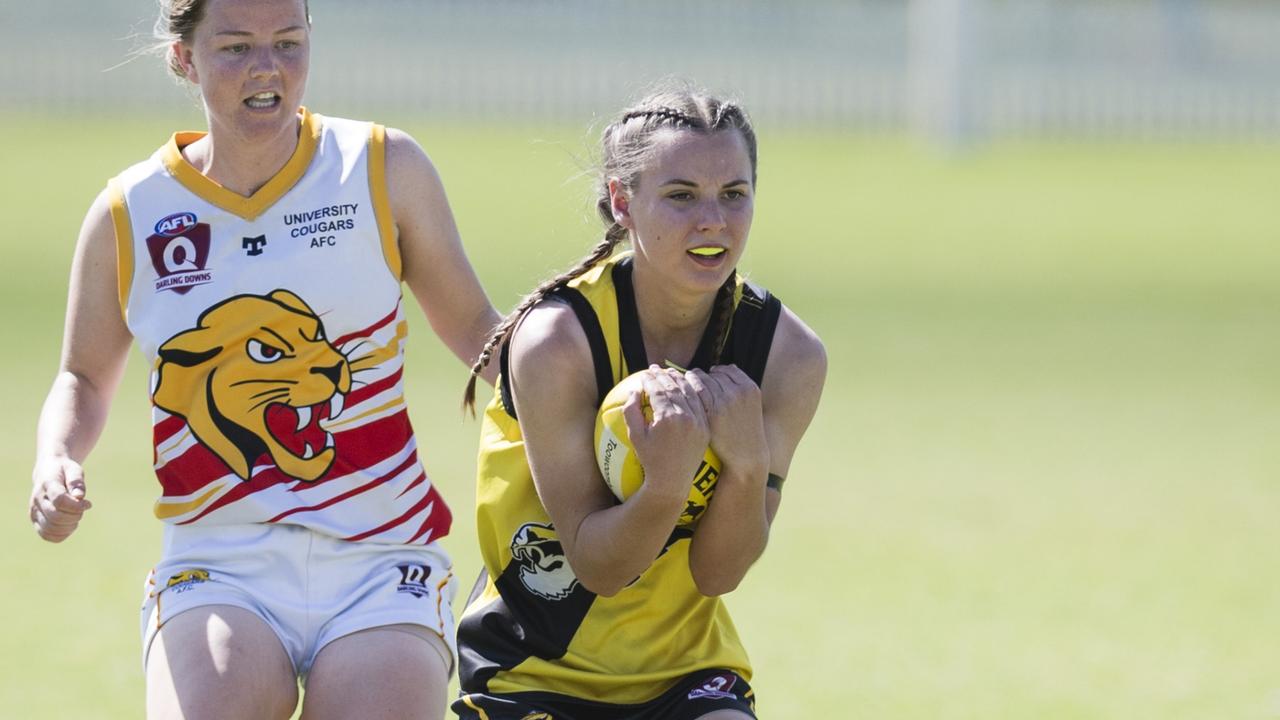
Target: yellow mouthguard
(707,251)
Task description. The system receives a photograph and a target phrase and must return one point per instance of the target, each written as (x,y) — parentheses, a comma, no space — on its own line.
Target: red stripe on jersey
(195,468)
(412,485)
(369,330)
(436,525)
(167,428)
(438,518)
(367,391)
(413,458)
(356,449)
(261,481)
(360,448)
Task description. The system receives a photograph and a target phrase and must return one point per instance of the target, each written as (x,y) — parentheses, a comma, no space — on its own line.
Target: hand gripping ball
(621,468)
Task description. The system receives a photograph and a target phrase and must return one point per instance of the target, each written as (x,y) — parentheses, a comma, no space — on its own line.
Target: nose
(333,372)
(264,63)
(711,216)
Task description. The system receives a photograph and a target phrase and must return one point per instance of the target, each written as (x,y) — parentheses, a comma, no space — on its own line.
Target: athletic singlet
(530,625)
(274,329)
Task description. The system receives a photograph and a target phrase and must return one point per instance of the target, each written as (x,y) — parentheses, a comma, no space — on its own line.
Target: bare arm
(608,545)
(435,266)
(755,433)
(94,347)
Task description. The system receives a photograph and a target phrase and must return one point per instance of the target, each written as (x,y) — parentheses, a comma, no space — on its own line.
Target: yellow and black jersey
(530,626)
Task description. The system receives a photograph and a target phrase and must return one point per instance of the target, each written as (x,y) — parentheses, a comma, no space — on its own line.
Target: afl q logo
(179,251)
(180,255)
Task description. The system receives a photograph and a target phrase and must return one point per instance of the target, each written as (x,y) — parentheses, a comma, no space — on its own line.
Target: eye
(287,44)
(681,196)
(237,48)
(734,194)
(262,352)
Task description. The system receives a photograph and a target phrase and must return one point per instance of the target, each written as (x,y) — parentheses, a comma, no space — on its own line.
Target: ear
(182,52)
(291,301)
(620,203)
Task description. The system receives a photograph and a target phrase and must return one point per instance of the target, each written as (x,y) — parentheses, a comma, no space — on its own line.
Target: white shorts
(311,589)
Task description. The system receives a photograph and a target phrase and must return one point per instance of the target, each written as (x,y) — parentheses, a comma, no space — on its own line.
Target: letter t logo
(253,245)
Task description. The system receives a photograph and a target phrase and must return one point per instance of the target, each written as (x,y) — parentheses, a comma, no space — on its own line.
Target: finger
(700,382)
(687,394)
(58,497)
(730,373)
(657,385)
(46,506)
(664,397)
(716,382)
(633,416)
(53,535)
(74,478)
(47,530)
(69,504)
(666,378)
(60,518)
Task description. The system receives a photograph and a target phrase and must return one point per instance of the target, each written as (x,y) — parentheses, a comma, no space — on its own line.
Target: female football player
(594,608)
(259,267)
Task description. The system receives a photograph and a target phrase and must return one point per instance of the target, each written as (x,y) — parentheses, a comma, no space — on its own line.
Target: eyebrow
(690,183)
(278,337)
(246,33)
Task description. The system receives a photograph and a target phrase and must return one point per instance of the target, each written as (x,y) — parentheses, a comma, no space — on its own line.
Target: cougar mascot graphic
(257,375)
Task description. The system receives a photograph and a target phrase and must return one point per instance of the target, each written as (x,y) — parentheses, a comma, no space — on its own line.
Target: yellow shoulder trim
(124,245)
(233,202)
(382,199)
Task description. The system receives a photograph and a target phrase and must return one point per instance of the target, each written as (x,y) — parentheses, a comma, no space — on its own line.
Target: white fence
(1092,67)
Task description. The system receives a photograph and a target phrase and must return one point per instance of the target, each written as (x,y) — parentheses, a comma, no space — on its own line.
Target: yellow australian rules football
(621,468)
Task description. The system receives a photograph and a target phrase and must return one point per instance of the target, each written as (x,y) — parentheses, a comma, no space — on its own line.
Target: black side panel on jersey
(751,336)
(515,626)
(595,339)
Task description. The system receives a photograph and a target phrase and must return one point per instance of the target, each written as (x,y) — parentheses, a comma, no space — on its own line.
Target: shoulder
(550,357)
(549,336)
(797,365)
(404,153)
(98,227)
(410,173)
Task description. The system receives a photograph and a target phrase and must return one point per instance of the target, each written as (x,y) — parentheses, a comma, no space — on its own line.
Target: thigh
(219,661)
(396,672)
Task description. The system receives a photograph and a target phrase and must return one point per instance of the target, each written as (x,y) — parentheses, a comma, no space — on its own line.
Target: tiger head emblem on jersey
(544,570)
(257,375)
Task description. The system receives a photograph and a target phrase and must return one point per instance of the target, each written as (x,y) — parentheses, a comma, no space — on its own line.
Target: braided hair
(626,144)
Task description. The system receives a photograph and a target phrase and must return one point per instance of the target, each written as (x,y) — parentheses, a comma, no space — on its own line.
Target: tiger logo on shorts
(257,375)
(186,579)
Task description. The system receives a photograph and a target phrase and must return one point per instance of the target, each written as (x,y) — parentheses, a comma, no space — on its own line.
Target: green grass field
(1042,483)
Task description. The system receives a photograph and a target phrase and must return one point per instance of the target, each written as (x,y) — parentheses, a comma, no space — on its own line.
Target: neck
(238,164)
(672,321)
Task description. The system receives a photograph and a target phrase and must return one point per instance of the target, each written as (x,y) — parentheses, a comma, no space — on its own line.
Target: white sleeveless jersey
(275,332)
